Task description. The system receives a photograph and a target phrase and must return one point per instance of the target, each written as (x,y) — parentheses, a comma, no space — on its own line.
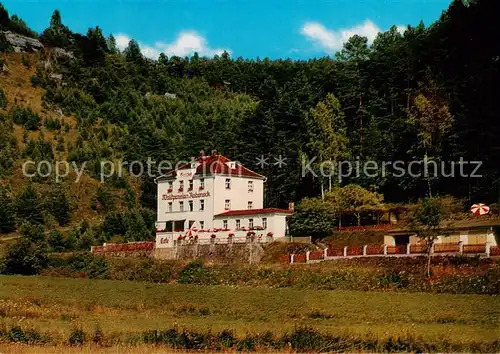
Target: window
(224,224)
(190,184)
(181,185)
(250,223)
(202,224)
(170,186)
(190,205)
(228,183)
(264,223)
(202,183)
(238,224)
(250,186)
(202,204)
(250,205)
(170,207)
(181,206)
(227,204)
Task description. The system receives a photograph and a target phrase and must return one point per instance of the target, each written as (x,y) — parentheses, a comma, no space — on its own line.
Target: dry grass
(120,307)
(8,348)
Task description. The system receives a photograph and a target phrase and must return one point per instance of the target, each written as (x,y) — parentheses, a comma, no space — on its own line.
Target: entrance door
(402,239)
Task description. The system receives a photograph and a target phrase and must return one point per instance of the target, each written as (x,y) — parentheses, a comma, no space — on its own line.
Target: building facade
(213,197)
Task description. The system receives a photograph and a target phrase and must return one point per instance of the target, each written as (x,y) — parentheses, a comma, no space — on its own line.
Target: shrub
(52,124)
(77,337)
(24,257)
(7,222)
(3,99)
(194,273)
(98,336)
(26,117)
(25,62)
(28,207)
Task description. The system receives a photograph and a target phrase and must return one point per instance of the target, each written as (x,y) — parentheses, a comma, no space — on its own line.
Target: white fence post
(487,249)
(408,251)
(364,250)
(291,258)
(307,256)
(385,250)
(325,253)
(460,247)
(345,251)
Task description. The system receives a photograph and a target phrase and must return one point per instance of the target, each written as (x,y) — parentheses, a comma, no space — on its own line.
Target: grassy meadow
(124,309)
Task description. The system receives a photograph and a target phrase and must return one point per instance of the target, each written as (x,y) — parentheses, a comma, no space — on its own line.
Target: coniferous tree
(28,206)
(7,220)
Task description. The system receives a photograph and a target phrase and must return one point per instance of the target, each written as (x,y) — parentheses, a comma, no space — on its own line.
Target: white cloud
(402,29)
(333,40)
(186,43)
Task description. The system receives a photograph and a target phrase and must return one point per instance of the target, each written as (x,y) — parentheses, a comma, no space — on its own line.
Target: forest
(428,93)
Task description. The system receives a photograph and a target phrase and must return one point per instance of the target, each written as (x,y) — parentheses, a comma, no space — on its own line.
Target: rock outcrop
(22,43)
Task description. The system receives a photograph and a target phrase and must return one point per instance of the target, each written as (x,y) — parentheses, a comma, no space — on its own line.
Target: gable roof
(215,165)
(255,211)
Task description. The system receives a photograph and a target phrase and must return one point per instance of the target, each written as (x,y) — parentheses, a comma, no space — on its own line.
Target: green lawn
(60,304)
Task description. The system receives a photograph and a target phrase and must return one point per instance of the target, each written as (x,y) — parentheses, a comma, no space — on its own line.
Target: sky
(249,29)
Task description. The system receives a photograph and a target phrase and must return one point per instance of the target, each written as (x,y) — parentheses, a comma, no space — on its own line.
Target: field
(124,309)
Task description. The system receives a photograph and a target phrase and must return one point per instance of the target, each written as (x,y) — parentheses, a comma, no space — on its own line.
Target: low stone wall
(409,250)
(131,249)
(249,252)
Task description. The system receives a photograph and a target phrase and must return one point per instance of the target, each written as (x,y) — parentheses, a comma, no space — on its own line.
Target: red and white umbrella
(479,209)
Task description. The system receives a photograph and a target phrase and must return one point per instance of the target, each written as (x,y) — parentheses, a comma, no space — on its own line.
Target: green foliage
(33,232)
(57,34)
(39,150)
(26,117)
(25,62)
(353,199)
(52,124)
(24,257)
(3,99)
(313,217)
(28,206)
(57,202)
(8,148)
(56,241)
(7,215)
(194,273)
(77,337)
(427,223)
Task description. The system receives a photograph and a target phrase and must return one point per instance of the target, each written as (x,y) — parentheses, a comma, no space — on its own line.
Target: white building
(214,198)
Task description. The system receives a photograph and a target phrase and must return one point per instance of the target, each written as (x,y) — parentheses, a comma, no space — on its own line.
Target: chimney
(291,206)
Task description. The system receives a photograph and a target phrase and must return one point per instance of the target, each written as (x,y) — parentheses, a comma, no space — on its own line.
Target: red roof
(217,164)
(255,211)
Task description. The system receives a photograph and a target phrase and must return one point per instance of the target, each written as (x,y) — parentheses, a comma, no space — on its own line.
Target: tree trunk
(429,261)
(358,216)
(427,177)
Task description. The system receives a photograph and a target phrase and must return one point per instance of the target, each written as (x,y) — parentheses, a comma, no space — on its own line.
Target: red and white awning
(479,209)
